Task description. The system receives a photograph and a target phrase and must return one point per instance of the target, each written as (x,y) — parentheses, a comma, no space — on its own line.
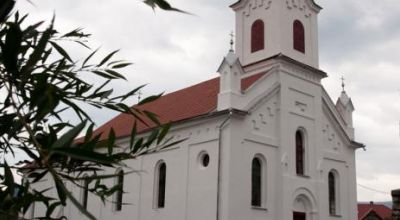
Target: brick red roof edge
(381,210)
(184,104)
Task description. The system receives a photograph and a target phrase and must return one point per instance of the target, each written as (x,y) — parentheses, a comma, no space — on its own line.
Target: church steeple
(265,28)
(345,107)
(230,72)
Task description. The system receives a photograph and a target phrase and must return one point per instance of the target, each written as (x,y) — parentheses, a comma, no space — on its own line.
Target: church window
(119,193)
(298,36)
(204,159)
(256,182)
(160,182)
(300,156)
(85,191)
(257,36)
(333,192)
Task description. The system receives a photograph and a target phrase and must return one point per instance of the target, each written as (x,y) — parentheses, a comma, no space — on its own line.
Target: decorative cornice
(300,5)
(311,4)
(256,4)
(281,57)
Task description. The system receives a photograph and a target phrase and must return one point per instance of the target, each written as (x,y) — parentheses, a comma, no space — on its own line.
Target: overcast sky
(357,38)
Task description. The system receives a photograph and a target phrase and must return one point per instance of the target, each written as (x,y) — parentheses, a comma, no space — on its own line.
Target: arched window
(118,197)
(298,36)
(299,153)
(332,193)
(85,191)
(256,182)
(257,36)
(159,183)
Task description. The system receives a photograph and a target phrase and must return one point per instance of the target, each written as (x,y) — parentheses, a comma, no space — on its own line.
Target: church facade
(263,141)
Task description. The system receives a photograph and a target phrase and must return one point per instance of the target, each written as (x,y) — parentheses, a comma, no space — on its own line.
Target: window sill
(259,208)
(335,215)
(303,176)
(158,209)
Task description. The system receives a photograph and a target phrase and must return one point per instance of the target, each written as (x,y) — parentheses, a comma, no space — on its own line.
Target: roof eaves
(199,117)
(283,57)
(358,144)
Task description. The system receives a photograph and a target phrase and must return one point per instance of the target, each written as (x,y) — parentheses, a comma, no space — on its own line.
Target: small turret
(346,108)
(230,72)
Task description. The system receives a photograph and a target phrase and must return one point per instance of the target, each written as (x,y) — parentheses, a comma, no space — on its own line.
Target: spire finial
(139,95)
(232,42)
(342,78)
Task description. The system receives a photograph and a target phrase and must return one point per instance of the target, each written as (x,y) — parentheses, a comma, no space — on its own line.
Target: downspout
(221,127)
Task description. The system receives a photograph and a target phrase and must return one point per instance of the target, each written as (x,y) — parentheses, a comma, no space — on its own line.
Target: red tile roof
(381,210)
(187,103)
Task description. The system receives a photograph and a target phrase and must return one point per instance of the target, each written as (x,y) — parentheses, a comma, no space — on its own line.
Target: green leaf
(39,49)
(163,5)
(107,58)
(122,65)
(61,51)
(133,135)
(151,138)
(11,48)
(105,176)
(8,178)
(114,73)
(150,99)
(51,208)
(76,108)
(60,191)
(32,28)
(153,117)
(129,94)
(103,74)
(90,56)
(111,141)
(85,155)
(138,146)
(5,9)
(163,133)
(89,132)
(37,176)
(75,33)
(67,139)
(173,143)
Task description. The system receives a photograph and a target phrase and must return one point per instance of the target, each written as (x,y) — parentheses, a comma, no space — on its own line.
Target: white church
(264,139)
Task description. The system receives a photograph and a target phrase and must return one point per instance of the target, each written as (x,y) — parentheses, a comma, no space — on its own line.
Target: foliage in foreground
(39,82)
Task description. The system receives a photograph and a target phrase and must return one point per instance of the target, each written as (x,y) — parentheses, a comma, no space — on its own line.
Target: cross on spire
(139,95)
(232,42)
(343,85)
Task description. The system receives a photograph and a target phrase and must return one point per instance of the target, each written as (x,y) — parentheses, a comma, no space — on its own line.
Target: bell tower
(265,28)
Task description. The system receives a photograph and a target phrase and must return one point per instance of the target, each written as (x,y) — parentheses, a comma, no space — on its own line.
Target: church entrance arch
(303,205)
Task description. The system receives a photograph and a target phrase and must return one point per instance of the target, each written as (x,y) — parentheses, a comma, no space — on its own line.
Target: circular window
(204,159)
